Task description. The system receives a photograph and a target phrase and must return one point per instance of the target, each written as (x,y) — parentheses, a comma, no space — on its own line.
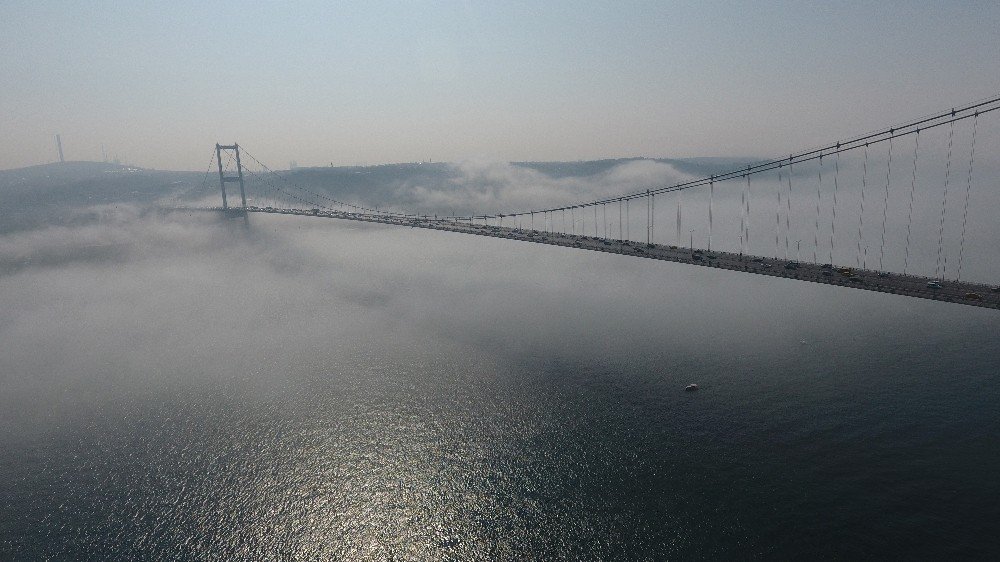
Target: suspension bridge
(898,210)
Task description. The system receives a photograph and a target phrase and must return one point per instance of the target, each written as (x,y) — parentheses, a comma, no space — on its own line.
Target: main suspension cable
(949,117)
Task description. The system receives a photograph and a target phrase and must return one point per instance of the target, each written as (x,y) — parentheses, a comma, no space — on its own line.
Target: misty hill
(59,172)
(100,180)
(47,193)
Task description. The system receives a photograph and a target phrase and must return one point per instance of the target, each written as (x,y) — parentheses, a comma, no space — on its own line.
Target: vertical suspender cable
(679,242)
(711,198)
(749,216)
(743,218)
(944,204)
(628,223)
(909,215)
(836,187)
(620,225)
(788,202)
(819,201)
(861,215)
(968,189)
(777,215)
(649,218)
(885,201)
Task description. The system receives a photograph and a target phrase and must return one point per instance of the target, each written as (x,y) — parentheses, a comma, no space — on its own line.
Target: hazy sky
(374,82)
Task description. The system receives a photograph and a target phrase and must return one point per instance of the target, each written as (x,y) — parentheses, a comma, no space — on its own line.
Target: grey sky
(402,81)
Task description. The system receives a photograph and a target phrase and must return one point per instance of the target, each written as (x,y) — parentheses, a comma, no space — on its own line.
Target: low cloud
(491,187)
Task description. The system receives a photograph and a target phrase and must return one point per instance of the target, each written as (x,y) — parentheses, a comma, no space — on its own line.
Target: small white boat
(691,387)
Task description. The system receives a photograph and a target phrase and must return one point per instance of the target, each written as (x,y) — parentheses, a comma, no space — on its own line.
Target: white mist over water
(315,388)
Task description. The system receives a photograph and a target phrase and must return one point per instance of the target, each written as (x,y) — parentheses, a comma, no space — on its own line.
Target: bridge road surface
(973,294)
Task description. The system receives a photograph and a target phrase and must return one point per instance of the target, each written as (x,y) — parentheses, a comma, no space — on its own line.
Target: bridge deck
(972,294)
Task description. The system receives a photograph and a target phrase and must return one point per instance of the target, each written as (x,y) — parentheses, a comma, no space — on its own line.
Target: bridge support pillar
(224,179)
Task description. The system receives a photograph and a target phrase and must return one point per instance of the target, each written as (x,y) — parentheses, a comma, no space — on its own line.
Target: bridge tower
(224,179)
